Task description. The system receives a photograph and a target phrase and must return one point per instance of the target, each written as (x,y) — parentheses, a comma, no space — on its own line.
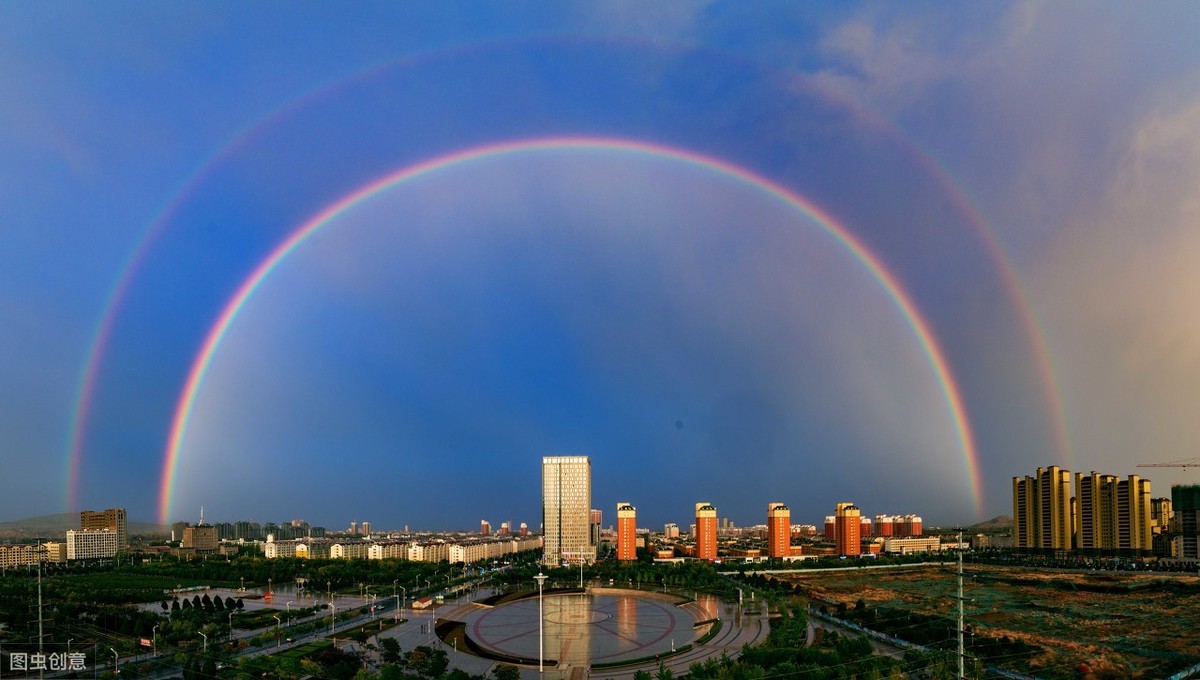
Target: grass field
(1116,624)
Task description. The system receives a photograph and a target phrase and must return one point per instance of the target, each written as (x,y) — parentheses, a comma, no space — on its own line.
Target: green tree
(507,672)
(391,654)
(427,661)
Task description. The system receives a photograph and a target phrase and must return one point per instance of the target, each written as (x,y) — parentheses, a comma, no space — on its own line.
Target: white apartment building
(86,544)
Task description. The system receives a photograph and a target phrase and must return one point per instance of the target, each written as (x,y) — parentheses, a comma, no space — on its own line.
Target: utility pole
(41,638)
(961,675)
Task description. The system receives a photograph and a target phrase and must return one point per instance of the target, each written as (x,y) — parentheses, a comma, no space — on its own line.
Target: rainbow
(899,296)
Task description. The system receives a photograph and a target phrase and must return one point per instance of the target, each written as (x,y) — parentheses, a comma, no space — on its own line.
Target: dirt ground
(1116,624)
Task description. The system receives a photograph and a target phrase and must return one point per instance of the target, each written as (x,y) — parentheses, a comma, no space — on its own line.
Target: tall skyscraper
(626,532)
(1185,501)
(706,532)
(1042,516)
(779,530)
(847,518)
(566,510)
(596,519)
(485,527)
(112,519)
(1112,513)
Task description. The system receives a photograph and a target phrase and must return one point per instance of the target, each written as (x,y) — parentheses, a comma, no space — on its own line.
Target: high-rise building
(1185,501)
(670,530)
(566,510)
(202,538)
(847,519)
(596,518)
(524,529)
(485,528)
(907,526)
(1042,515)
(1160,514)
(1094,500)
(1112,513)
(884,526)
(626,532)
(706,532)
(353,528)
(830,527)
(366,528)
(505,529)
(864,526)
(779,530)
(112,519)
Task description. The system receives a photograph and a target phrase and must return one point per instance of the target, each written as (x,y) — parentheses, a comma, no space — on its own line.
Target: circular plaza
(604,627)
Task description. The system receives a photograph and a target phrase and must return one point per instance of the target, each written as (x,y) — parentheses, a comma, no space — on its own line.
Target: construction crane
(1184,463)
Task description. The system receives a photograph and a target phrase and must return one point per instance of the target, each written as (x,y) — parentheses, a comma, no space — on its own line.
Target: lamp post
(332,616)
(231,626)
(401,604)
(541,578)
(205,647)
(289,610)
(115,671)
(278,635)
(154,638)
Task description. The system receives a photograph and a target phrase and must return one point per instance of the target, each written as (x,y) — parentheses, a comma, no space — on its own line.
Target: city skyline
(378,259)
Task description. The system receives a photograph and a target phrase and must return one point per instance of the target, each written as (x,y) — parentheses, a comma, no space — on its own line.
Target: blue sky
(1026,171)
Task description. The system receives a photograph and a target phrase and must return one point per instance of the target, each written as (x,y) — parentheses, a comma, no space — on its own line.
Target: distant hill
(997,522)
(55,527)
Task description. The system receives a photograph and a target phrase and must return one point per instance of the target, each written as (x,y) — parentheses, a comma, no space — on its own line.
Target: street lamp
(278,636)
(205,648)
(115,671)
(541,578)
(400,603)
(231,626)
(154,638)
(289,610)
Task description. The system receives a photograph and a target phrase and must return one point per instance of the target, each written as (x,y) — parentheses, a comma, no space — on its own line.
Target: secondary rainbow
(897,293)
